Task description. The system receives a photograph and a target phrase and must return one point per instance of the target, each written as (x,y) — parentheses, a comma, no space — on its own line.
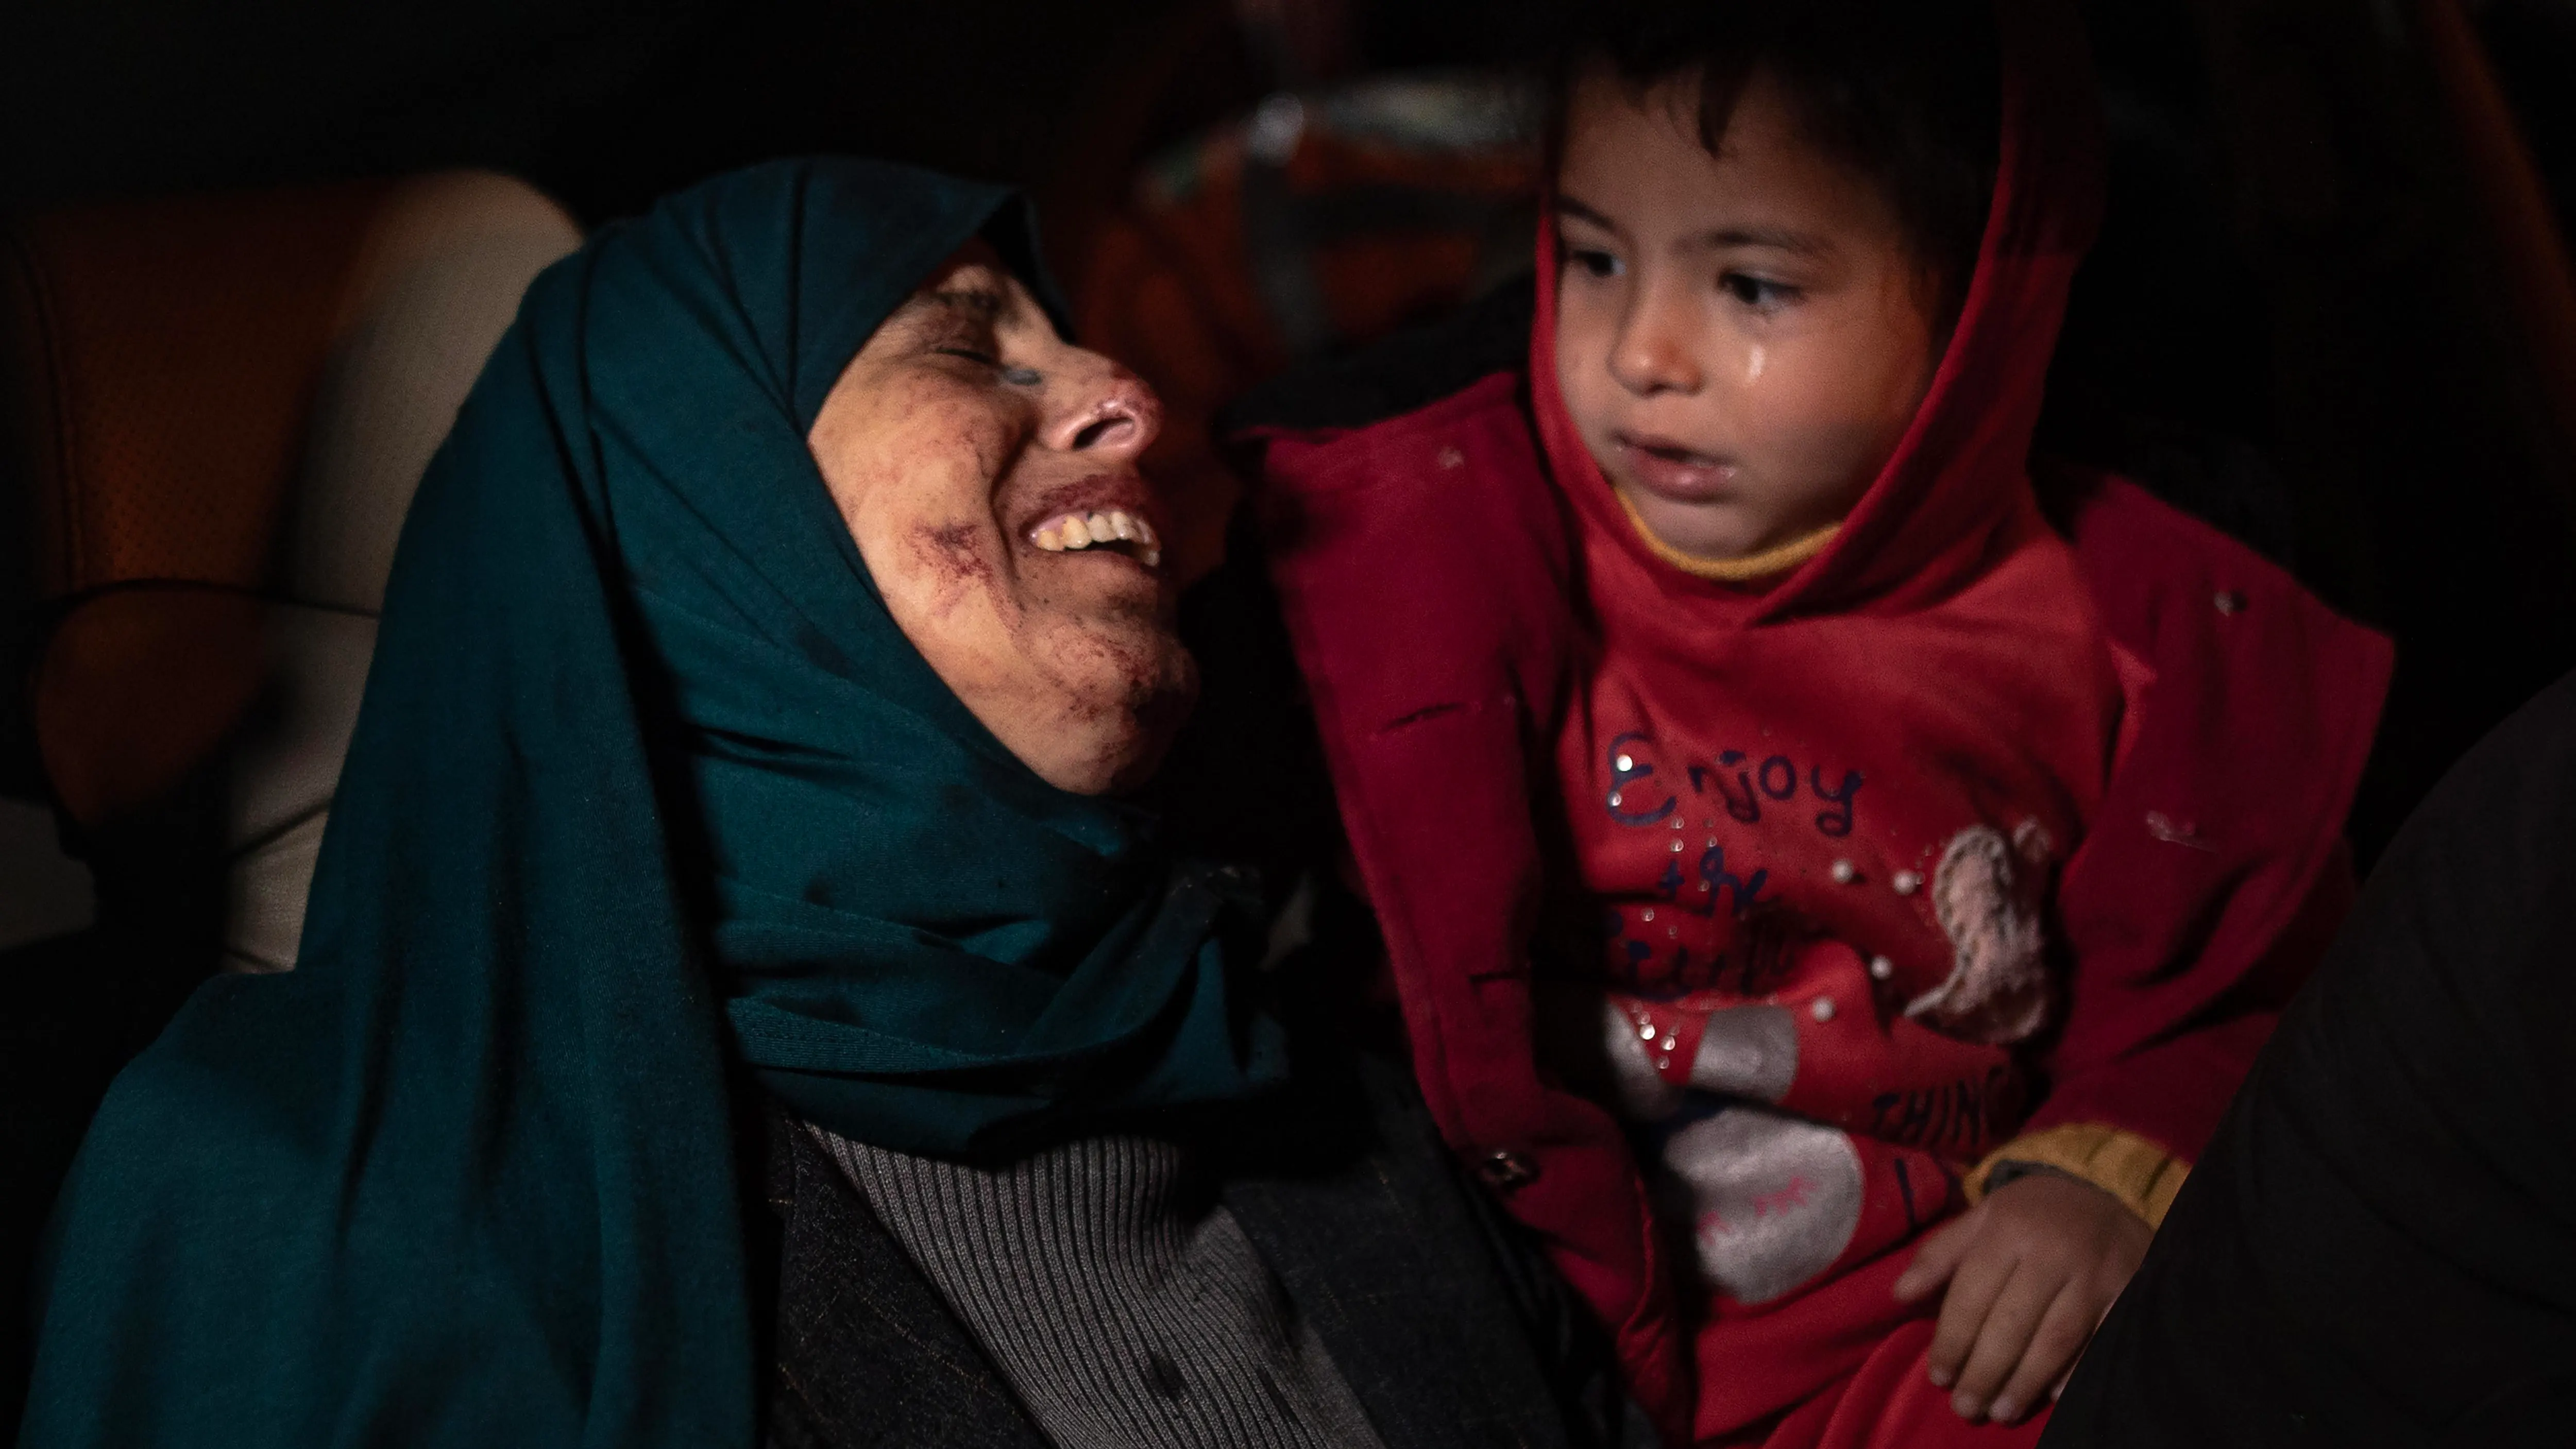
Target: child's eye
(971,354)
(1598,265)
(1758,293)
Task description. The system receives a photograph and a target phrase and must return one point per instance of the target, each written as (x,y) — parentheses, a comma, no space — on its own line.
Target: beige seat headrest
(440,279)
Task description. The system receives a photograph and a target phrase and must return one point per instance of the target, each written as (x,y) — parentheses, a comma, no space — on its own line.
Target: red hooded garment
(1866,794)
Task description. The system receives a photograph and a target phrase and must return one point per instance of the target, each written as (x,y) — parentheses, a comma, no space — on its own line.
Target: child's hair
(1908,93)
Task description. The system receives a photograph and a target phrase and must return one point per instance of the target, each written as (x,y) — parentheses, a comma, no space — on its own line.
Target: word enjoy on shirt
(1638,797)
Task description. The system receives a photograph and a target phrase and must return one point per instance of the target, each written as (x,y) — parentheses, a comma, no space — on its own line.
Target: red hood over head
(1920,530)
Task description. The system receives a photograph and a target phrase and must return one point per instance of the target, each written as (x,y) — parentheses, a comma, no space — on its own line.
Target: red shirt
(2146,732)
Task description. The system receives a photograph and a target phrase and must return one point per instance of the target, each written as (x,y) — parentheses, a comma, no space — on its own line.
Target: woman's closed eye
(967,340)
(990,360)
(964,322)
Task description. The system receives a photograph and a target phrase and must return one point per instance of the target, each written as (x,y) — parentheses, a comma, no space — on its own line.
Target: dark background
(2295,318)
(608,105)
(2301,321)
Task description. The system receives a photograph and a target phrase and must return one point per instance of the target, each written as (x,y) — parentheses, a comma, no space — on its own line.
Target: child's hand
(2031,1270)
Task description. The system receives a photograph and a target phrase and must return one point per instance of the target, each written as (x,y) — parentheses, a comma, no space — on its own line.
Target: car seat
(213,413)
(221,408)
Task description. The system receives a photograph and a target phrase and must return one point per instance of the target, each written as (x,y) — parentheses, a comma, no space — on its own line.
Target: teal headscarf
(646,779)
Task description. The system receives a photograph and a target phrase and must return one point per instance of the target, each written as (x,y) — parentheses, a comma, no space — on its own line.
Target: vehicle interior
(251,259)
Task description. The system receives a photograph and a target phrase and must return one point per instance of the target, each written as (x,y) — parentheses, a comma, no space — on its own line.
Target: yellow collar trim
(1750,568)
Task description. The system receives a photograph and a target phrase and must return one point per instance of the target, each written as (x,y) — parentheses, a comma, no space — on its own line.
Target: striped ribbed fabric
(1116,1295)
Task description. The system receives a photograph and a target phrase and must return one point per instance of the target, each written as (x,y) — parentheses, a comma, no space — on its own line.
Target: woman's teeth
(1076,531)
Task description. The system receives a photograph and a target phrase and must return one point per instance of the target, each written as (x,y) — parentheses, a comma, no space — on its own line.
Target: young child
(1830,899)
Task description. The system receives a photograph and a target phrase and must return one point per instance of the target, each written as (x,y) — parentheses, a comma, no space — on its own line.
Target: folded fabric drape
(646,779)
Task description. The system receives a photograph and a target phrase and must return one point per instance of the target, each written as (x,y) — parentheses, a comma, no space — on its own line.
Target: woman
(733,809)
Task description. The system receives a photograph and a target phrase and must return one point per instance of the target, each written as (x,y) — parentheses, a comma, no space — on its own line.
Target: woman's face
(987,469)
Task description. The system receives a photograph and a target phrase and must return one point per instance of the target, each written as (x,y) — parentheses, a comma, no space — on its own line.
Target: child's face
(1742,338)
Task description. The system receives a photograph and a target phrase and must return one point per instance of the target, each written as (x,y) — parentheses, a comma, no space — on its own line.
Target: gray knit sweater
(1115,1295)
